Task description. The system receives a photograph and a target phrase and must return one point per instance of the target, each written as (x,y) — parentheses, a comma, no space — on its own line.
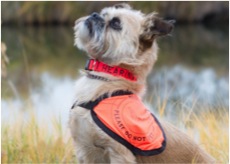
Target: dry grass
(26,141)
(212,132)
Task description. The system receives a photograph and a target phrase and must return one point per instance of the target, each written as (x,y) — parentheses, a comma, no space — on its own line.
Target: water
(191,71)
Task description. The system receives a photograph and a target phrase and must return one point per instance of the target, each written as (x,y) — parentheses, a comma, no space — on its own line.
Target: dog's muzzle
(95,23)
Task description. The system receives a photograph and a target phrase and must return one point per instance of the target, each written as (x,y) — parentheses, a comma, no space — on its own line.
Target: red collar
(95,65)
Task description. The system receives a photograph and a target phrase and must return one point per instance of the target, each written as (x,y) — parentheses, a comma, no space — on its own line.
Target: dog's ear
(153,27)
(156,26)
(122,5)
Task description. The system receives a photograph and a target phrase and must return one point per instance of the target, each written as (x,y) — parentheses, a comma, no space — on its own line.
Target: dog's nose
(95,15)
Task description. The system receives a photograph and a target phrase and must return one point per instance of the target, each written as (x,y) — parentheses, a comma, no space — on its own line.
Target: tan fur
(134,48)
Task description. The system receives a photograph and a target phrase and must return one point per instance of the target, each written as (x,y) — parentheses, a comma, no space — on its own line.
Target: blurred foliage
(196,46)
(4,60)
(48,12)
(186,11)
(34,51)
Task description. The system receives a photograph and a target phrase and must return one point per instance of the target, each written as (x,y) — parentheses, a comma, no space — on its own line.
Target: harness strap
(91,104)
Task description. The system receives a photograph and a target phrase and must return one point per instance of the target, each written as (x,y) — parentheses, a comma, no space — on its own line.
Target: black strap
(91,104)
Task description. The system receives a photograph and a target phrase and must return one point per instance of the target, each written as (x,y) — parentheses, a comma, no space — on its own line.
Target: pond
(191,71)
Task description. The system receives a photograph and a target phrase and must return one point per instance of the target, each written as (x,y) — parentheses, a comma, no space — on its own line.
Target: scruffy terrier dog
(108,122)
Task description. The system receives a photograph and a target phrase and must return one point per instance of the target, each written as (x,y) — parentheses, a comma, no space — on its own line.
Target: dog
(121,45)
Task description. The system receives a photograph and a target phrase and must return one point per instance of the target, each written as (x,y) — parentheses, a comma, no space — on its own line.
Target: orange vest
(125,118)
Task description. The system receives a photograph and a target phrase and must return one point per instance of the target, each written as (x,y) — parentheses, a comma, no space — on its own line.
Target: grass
(212,131)
(26,141)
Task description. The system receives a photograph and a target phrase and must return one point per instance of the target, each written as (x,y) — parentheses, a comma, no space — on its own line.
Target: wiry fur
(134,48)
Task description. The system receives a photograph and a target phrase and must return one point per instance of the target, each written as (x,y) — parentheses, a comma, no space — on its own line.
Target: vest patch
(126,119)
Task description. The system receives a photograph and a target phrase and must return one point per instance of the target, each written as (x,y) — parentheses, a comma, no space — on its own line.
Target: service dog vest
(125,118)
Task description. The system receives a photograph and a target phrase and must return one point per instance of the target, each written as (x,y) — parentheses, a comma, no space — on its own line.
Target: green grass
(26,141)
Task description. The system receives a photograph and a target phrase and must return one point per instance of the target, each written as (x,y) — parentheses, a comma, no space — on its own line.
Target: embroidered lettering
(115,71)
(125,74)
(95,65)
(118,120)
(104,67)
(128,134)
(109,69)
(121,72)
(136,138)
(129,74)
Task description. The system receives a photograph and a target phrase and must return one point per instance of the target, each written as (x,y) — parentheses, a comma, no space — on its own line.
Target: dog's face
(119,35)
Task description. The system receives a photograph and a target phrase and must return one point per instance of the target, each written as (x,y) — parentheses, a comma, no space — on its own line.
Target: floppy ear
(122,5)
(154,27)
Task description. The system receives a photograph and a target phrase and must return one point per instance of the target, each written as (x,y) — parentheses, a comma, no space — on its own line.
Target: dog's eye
(104,14)
(115,23)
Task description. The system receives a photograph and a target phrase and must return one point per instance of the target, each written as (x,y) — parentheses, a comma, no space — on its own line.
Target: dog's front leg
(119,154)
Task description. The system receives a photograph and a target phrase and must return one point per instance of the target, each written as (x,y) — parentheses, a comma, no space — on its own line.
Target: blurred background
(40,63)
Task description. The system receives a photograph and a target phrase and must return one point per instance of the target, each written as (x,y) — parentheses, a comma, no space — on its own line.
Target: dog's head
(120,35)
